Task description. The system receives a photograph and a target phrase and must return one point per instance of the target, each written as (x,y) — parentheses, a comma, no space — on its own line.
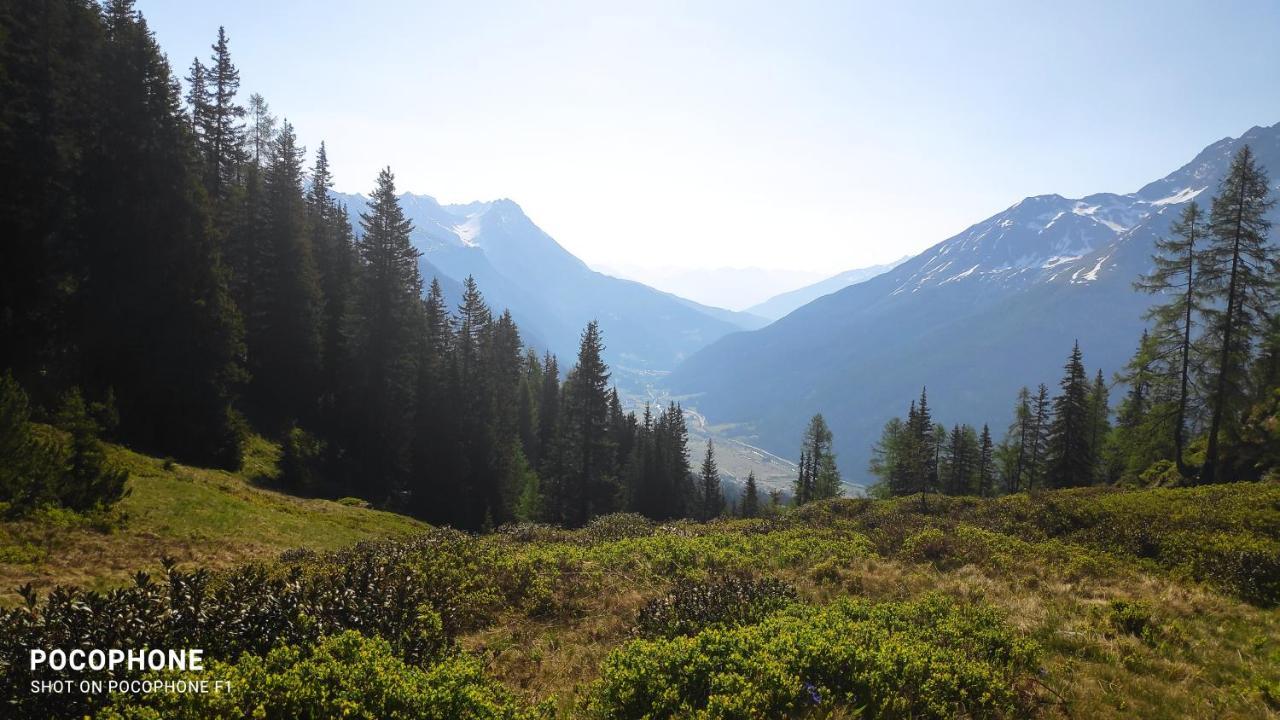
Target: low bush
(931,658)
(347,675)
(690,609)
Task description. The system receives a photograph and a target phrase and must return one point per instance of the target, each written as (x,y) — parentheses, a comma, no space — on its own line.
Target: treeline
(169,256)
(1202,391)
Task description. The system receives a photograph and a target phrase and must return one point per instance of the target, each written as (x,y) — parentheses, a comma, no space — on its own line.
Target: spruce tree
(709,486)
(751,498)
(583,473)
(1040,429)
(1239,270)
(285,325)
(156,320)
(986,463)
(223,131)
(1099,423)
(389,330)
(1071,460)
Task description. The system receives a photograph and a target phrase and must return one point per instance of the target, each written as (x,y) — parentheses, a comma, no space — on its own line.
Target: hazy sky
(806,136)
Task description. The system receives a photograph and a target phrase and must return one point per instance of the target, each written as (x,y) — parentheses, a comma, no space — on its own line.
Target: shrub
(1132,617)
(690,609)
(926,659)
(300,462)
(347,675)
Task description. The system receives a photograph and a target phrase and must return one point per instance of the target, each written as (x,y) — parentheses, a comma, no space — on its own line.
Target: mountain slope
(974,317)
(783,303)
(550,292)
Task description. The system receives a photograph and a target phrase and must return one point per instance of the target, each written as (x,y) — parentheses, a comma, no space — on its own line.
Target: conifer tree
(390,329)
(1099,423)
(1238,267)
(751,498)
(1175,274)
(709,492)
(986,463)
(1071,460)
(223,131)
(285,324)
(583,472)
(175,373)
(1040,430)
(262,134)
(1019,438)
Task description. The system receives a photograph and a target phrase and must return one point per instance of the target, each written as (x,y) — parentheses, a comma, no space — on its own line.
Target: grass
(211,518)
(1133,603)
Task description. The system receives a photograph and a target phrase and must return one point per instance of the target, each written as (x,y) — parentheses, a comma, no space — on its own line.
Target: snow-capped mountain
(550,292)
(974,317)
(783,303)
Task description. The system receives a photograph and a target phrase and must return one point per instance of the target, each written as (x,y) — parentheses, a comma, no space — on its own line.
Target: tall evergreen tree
(986,463)
(389,328)
(1071,459)
(751,497)
(223,132)
(709,492)
(583,477)
(285,323)
(1239,270)
(1099,423)
(156,321)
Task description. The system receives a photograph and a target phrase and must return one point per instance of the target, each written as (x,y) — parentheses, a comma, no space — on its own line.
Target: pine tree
(986,463)
(223,131)
(1071,460)
(285,325)
(1239,269)
(583,471)
(1040,430)
(198,99)
(1175,274)
(1099,423)
(709,486)
(89,480)
(155,319)
(751,498)
(390,327)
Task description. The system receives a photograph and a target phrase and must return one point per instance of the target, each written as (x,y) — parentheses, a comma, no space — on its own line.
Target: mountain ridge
(1024,282)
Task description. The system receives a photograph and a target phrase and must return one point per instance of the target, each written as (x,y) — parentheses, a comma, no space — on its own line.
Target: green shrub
(1132,617)
(690,609)
(347,675)
(926,659)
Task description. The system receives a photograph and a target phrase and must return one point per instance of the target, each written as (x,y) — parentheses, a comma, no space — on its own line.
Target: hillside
(1097,603)
(210,518)
(974,318)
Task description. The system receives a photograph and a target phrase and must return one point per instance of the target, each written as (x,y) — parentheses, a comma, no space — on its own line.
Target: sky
(798,136)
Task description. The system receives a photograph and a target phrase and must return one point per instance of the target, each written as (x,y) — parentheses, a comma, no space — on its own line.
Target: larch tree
(1239,270)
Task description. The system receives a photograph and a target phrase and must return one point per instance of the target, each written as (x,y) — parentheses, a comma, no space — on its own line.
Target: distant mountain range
(550,292)
(782,304)
(729,287)
(973,317)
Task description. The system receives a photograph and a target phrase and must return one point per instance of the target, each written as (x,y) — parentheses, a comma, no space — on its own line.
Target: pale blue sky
(808,136)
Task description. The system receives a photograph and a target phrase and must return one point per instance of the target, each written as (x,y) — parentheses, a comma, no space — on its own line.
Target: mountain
(974,318)
(782,304)
(550,292)
(730,287)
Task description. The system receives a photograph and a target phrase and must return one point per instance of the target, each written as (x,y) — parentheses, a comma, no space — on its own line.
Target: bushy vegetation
(1017,606)
(690,609)
(929,658)
(347,675)
(61,466)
